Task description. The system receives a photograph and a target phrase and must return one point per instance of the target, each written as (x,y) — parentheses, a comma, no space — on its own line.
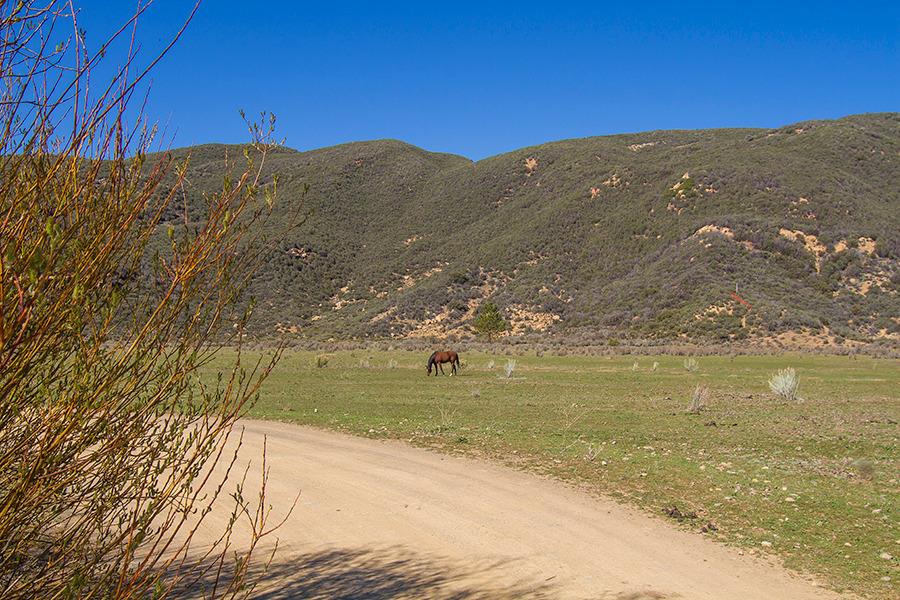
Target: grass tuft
(698,399)
(510,367)
(785,383)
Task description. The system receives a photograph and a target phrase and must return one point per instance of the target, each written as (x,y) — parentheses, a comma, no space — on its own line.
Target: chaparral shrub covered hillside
(787,234)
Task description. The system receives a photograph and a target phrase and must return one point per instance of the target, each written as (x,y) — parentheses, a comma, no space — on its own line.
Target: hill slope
(640,235)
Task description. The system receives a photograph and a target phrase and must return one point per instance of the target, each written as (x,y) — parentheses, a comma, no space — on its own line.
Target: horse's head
(430,363)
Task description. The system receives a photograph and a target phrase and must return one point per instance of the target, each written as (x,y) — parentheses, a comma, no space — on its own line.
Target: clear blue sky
(480,78)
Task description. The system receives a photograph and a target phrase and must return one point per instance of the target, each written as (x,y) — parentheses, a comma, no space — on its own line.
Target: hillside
(629,236)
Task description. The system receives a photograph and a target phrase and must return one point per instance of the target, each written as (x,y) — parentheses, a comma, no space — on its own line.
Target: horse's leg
(442,367)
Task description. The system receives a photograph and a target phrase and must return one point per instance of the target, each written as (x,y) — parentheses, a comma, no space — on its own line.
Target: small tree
(489,320)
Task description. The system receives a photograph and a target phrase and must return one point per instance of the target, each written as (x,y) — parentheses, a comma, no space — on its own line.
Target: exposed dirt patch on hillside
(867,245)
(641,146)
(409,280)
(726,232)
(436,326)
(613,181)
(522,319)
(338,301)
(723,231)
(809,241)
(714,310)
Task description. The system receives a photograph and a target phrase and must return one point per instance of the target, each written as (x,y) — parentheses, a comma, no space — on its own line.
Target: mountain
(724,234)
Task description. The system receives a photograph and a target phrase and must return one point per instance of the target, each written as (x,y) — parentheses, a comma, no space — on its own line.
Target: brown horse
(437,358)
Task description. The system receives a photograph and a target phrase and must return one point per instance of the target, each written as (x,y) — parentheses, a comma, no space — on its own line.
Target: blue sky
(481,78)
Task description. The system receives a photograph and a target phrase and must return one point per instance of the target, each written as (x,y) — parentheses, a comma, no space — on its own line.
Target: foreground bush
(105,440)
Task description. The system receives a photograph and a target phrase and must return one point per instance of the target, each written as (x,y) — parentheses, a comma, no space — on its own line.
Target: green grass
(759,468)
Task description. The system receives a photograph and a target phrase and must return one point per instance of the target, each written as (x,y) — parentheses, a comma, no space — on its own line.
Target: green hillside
(629,236)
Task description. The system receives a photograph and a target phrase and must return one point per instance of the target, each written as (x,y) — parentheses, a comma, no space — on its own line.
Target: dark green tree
(489,321)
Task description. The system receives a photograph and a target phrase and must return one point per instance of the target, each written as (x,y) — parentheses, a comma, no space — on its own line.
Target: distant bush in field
(321,361)
(635,366)
(392,364)
(698,399)
(785,383)
(655,366)
(691,364)
(510,367)
(490,365)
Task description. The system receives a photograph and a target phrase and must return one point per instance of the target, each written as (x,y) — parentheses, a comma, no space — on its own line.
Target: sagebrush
(785,383)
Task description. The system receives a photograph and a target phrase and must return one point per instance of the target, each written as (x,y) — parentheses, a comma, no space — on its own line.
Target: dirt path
(381,519)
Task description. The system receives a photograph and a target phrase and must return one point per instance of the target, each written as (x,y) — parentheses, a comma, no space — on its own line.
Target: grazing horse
(437,358)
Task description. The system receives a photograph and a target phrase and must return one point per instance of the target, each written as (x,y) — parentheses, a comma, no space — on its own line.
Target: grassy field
(814,482)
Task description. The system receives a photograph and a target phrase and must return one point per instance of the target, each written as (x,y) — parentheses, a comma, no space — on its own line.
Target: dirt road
(381,519)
